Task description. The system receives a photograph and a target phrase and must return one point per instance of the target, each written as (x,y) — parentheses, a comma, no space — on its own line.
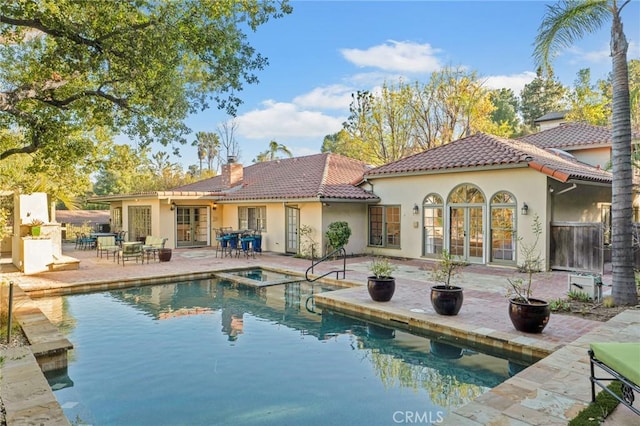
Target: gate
(577,246)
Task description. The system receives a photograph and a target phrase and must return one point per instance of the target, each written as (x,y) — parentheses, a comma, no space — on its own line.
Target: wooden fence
(579,246)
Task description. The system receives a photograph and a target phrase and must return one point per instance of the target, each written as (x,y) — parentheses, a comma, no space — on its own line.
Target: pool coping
(538,395)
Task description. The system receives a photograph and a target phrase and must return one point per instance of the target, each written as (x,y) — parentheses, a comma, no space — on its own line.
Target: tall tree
(544,94)
(227,133)
(587,102)
(137,67)
(563,24)
(208,144)
(451,104)
(505,114)
(272,152)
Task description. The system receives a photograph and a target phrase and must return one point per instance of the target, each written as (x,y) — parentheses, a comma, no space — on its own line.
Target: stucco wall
(582,204)
(356,216)
(594,156)
(525,184)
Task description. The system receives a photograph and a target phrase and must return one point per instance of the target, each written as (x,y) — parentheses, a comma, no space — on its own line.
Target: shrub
(338,234)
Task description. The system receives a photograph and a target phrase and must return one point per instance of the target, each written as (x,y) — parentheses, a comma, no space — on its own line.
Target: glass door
(291,237)
(192,226)
(466,233)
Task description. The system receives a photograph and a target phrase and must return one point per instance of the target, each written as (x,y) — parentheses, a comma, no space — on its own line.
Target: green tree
(544,94)
(505,111)
(587,102)
(453,103)
(121,171)
(272,153)
(137,67)
(208,145)
(564,23)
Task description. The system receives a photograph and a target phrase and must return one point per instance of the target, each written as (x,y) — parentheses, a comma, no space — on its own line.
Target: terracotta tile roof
(570,135)
(489,151)
(317,176)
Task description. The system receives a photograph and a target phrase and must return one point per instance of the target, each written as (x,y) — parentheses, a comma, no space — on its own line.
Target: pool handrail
(339,251)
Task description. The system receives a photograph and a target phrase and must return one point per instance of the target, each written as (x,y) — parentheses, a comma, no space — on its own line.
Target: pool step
(64,263)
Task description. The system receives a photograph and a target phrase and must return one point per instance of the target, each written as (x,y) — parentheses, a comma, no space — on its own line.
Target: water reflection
(451,375)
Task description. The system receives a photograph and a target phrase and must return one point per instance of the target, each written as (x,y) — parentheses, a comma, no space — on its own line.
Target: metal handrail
(342,252)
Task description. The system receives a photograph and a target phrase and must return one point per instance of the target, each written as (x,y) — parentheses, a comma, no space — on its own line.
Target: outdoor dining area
(233,243)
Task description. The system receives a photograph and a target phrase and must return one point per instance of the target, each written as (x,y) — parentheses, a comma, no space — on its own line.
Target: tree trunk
(624,288)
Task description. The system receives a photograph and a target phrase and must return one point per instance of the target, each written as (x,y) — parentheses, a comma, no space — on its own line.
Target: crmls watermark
(418,417)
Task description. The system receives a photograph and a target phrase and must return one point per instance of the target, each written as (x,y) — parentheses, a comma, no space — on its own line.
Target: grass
(596,412)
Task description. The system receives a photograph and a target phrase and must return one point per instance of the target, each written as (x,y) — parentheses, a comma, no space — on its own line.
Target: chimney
(232,173)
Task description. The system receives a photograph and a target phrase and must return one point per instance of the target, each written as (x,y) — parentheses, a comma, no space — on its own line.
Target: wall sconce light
(214,206)
(525,209)
(416,209)
(173,206)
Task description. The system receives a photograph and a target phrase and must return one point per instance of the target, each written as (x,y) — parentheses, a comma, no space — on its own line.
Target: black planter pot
(164,255)
(446,300)
(381,289)
(530,317)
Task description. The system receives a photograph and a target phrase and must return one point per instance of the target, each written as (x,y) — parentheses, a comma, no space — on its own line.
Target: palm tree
(563,23)
(272,152)
(275,148)
(208,144)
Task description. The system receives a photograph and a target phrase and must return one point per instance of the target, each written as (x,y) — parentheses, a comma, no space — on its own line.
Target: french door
(192,226)
(466,233)
(292,215)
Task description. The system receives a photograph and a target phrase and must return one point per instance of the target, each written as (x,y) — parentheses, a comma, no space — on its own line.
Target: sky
(326,50)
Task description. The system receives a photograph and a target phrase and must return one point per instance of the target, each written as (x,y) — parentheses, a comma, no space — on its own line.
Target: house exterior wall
(598,157)
(526,185)
(582,204)
(356,216)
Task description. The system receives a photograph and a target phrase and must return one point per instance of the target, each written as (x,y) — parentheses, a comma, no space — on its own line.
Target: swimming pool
(217,352)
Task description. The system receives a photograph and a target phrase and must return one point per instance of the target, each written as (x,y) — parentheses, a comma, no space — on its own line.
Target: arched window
(433,224)
(466,194)
(503,225)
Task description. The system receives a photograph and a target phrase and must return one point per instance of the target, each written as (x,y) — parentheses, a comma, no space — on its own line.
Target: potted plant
(381,285)
(528,314)
(446,298)
(35,225)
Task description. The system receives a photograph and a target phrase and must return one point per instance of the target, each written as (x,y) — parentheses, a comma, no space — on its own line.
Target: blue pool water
(213,352)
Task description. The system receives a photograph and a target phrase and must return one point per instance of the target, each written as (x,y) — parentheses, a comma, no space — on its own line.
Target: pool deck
(551,391)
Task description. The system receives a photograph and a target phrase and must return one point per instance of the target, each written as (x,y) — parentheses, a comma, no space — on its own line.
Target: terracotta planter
(381,289)
(530,317)
(164,255)
(446,300)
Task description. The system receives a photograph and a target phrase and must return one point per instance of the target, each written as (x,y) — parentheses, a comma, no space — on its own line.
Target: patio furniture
(87,241)
(130,251)
(247,242)
(221,242)
(106,245)
(152,245)
(620,360)
(120,238)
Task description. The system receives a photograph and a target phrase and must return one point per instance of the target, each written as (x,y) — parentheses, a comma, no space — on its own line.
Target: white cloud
(396,56)
(578,55)
(336,96)
(515,82)
(285,121)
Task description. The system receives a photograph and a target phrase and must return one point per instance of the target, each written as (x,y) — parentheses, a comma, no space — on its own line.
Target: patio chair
(130,251)
(221,242)
(152,245)
(106,245)
(247,242)
(620,360)
(120,238)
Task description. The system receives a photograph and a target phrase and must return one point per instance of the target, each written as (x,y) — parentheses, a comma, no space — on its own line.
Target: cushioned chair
(130,251)
(620,360)
(106,245)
